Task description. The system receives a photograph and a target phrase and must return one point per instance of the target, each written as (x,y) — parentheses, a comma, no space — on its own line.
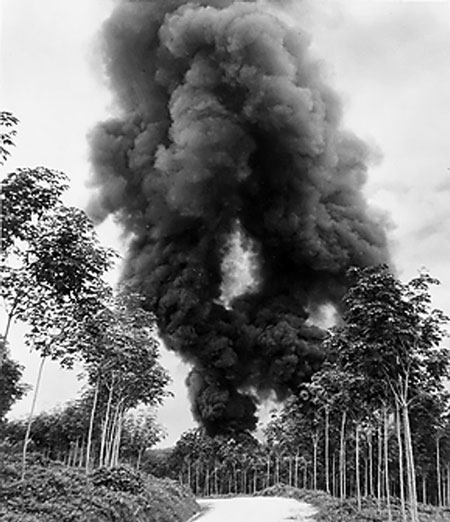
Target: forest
(371,422)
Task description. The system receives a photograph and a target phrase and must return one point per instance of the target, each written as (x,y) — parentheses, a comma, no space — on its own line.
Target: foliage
(54,493)
(119,479)
(53,433)
(123,350)
(52,263)
(119,346)
(28,194)
(122,366)
(218,465)
(385,366)
(391,333)
(11,389)
(8,123)
(141,431)
(61,434)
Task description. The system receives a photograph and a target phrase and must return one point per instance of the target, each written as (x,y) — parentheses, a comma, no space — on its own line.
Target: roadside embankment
(331,509)
(53,493)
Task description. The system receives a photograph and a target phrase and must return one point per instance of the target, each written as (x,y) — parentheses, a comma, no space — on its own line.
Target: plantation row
(221,467)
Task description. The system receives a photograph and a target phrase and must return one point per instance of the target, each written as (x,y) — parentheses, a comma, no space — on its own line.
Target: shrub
(54,493)
(119,479)
(331,509)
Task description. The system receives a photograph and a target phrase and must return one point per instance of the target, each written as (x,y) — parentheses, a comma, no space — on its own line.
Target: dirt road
(255,509)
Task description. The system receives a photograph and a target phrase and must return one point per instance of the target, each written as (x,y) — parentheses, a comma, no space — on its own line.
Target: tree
(391,336)
(121,357)
(299,427)
(356,402)
(141,432)
(52,262)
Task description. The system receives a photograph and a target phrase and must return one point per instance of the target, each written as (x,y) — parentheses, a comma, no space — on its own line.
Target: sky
(389,60)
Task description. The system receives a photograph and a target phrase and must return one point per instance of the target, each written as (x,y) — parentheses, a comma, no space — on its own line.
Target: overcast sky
(390,60)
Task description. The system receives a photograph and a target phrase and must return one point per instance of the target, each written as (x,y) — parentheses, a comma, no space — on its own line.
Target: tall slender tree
(392,337)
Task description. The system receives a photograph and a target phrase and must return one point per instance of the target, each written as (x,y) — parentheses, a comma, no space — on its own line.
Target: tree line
(52,270)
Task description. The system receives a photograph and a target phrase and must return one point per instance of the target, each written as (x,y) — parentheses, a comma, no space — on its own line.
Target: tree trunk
(366,477)
(327,450)
(81,456)
(30,418)
(139,459)
(315,445)
(105,426)
(334,475)
(290,470)
(68,456)
(296,471)
(115,435)
(206,488)
(448,484)
(342,474)
(400,464)
(424,489)
(111,438)
(216,478)
(189,474)
(380,464)
(3,342)
(76,451)
(371,487)
(118,437)
(357,467)
(197,477)
(91,426)
(410,463)
(386,463)
(438,473)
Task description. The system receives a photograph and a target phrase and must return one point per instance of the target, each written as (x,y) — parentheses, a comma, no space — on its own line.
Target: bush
(119,479)
(331,509)
(53,493)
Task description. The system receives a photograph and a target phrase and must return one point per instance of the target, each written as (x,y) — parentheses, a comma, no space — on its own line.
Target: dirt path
(255,509)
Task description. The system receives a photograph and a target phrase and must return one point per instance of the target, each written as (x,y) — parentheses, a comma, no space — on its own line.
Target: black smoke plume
(225,121)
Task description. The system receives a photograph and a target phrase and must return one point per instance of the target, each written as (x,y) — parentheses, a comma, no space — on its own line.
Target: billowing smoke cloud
(225,123)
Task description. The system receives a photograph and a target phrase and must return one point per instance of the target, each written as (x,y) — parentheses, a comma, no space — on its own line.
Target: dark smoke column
(225,121)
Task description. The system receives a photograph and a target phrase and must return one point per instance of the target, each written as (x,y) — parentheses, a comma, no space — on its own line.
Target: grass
(54,493)
(331,509)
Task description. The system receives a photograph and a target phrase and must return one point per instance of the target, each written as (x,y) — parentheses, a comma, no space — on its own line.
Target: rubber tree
(121,354)
(392,337)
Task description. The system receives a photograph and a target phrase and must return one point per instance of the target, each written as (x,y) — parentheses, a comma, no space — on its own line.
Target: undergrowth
(331,509)
(54,493)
